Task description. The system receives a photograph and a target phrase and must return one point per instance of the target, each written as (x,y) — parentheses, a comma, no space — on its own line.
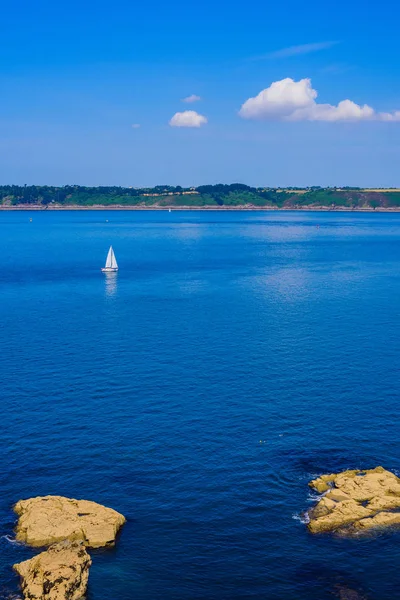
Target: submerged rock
(345,593)
(356,500)
(59,573)
(48,519)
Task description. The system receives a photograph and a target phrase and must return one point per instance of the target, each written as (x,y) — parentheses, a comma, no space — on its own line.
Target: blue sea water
(232,358)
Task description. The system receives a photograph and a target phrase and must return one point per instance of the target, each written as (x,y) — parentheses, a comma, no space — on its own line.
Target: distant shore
(35,207)
(218,197)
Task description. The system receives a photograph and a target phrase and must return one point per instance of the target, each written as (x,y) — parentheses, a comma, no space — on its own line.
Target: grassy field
(379,190)
(382,190)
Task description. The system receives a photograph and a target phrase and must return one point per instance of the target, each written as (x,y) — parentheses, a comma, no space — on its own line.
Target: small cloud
(296,50)
(188,118)
(135,125)
(192,98)
(289,100)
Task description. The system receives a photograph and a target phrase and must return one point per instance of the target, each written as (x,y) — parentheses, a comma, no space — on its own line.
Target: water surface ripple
(232,358)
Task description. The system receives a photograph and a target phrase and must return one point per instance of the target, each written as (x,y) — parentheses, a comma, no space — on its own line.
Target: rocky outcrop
(356,501)
(48,519)
(59,573)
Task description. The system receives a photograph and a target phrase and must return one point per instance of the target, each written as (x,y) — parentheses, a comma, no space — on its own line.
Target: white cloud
(281,99)
(188,118)
(135,125)
(289,100)
(192,98)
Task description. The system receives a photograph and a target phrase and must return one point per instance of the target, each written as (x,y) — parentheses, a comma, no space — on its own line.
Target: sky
(182,93)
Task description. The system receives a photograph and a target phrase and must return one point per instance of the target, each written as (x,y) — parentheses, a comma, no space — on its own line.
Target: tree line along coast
(234,195)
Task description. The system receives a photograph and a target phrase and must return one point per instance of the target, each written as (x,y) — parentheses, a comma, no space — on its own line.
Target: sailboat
(111,262)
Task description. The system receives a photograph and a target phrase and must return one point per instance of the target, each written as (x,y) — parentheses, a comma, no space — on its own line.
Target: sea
(234,357)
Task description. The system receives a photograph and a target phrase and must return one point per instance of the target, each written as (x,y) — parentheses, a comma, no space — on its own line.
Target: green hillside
(214,196)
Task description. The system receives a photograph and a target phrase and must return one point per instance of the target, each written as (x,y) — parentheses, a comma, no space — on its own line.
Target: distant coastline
(235,196)
(116,207)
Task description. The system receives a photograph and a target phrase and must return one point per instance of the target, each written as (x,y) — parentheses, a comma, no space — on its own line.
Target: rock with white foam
(356,501)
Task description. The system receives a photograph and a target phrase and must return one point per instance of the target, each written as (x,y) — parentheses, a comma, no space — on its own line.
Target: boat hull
(109,270)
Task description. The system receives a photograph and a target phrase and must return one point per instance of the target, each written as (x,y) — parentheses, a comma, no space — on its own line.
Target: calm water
(150,392)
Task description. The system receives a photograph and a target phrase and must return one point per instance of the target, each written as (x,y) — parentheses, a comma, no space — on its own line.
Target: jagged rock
(59,573)
(355,500)
(48,519)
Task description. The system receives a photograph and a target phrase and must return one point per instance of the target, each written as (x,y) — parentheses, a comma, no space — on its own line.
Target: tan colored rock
(337,495)
(323,483)
(382,519)
(59,573)
(323,508)
(356,500)
(48,519)
(341,514)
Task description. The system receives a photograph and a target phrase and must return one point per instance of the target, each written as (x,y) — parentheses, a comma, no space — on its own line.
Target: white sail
(114,263)
(111,262)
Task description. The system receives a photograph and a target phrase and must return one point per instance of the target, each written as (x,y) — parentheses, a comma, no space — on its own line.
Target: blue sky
(76,77)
